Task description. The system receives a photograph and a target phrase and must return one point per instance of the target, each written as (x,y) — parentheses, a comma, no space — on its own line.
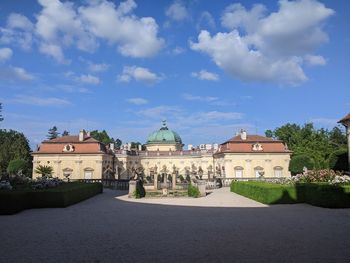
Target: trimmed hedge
(321,194)
(12,202)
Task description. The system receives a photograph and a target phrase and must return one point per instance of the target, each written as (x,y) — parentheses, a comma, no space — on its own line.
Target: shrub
(267,193)
(338,160)
(318,194)
(16,166)
(298,162)
(193,191)
(66,194)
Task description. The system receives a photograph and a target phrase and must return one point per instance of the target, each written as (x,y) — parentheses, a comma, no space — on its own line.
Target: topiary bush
(298,162)
(338,160)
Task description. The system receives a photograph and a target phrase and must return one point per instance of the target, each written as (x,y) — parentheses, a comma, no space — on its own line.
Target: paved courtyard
(107,228)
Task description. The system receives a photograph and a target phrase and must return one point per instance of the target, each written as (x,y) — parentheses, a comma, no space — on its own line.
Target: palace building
(242,156)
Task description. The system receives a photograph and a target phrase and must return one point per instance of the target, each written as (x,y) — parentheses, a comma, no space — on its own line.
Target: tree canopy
(14,145)
(52,133)
(103,137)
(65,133)
(318,144)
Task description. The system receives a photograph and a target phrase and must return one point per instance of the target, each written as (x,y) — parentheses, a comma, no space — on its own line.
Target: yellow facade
(79,166)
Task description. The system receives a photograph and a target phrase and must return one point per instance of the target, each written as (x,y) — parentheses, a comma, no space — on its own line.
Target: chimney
(81,136)
(111,146)
(88,134)
(243,135)
(140,147)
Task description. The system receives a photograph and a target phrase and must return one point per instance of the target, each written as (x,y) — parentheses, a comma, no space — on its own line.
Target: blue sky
(208,68)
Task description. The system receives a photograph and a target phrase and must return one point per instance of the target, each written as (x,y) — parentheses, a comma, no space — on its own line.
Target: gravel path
(218,198)
(107,229)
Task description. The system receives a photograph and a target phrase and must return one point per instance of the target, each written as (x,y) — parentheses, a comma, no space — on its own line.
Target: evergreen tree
(65,133)
(52,134)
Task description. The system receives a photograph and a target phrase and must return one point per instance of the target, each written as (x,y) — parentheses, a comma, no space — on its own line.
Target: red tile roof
(251,138)
(71,139)
(56,146)
(346,118)
(237,145)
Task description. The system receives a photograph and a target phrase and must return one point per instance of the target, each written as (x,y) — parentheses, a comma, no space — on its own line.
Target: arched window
(238,171)
(278,171)
(258,171)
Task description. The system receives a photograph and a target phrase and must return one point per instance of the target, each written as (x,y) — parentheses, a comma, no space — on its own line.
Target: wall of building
(250,161)
(208,163)
(163,147)
(78,163)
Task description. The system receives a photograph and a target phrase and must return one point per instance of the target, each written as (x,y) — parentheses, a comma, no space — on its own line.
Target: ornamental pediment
(68,148)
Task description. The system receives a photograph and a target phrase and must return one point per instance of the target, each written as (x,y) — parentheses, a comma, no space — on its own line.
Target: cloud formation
(137,101)
(15,74)
(177,11)
(88,79)
(138,74)
(5,54)
(61,25)
(39,101)
(269,48)
(205,75)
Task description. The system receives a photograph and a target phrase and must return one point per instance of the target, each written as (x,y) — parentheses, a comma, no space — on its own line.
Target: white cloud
(18,31)
(205,20)
(14,74)
(178,50)
(315,60)
(55,51)
(137,101)
(5,54)
(139,74)
(39,101)
(177,11)
(98,67)
(205,75)
(19,21)
(135,37)
(270,48)
(61,25)
(191,97)
(88,79)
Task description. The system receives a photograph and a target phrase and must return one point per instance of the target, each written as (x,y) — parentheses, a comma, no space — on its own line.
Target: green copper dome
(164,135)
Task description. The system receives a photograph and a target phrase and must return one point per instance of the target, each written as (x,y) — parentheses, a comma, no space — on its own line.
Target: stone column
(155,181)
(174,180)
(132,188)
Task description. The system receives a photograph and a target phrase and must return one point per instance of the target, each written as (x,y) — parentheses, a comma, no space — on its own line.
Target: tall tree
(1,118)
(65,133)
(14,145)
(52,133)
(318,144)
(103,137)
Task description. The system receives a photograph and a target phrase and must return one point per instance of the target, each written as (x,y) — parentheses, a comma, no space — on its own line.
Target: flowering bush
(5,185)
(46,182)
(340,179)
(315,176)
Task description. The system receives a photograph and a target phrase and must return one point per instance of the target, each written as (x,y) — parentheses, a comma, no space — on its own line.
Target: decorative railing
(226,182)
(116,184)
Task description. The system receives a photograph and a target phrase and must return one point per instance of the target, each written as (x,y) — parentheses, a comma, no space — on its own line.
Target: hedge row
(323,195)
(12,202)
